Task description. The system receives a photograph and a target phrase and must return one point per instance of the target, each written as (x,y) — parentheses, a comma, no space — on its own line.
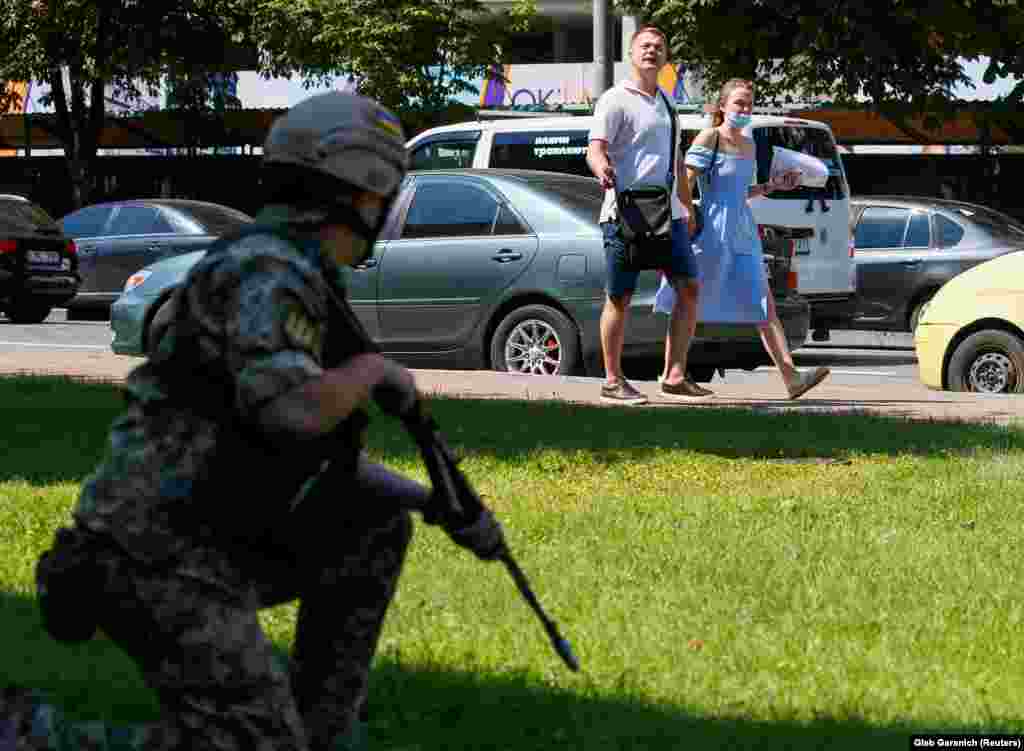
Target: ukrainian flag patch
(388,122)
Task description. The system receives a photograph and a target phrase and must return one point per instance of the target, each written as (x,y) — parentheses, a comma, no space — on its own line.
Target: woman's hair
(723,95)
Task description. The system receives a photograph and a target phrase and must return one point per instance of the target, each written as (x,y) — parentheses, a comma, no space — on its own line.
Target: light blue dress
(734,283)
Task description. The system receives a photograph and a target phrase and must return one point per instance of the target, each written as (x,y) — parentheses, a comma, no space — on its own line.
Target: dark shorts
(621,281)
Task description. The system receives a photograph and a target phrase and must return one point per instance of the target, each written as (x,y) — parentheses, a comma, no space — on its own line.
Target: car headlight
(136,279)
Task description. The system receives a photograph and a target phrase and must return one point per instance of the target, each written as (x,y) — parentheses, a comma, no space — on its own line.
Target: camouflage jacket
(251,322)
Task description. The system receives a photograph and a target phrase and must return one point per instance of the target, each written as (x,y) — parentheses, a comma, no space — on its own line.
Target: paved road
(866,378)
(863,355)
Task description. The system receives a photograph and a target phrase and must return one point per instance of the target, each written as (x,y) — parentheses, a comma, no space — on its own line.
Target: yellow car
(970,337)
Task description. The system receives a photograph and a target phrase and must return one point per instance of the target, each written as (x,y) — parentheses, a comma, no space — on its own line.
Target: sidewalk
(899,400)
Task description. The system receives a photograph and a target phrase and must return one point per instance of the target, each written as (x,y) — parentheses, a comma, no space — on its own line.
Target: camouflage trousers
(200,646)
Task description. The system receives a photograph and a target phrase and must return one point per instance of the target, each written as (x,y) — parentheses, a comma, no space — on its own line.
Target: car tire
(915,316)
(988,362)
(26,312)
(535,339)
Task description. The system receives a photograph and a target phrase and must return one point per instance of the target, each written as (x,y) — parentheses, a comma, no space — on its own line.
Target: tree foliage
(401,52)
(904,59)
(83,50)
(905,51)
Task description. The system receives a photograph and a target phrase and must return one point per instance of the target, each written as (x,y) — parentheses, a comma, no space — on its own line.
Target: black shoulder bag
(645,215)
(698,212)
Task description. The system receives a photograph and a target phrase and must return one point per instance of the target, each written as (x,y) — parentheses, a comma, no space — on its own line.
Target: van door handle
(505,255)
(913,262)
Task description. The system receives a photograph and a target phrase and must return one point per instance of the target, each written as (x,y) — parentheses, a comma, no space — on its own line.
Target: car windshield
(218,220)
(816,142)
(23,216)
(993,222)
(582,197)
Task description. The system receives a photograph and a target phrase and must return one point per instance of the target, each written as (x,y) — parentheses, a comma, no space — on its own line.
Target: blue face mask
(737,119)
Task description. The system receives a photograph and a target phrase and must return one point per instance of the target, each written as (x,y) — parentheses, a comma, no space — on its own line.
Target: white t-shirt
(638,129)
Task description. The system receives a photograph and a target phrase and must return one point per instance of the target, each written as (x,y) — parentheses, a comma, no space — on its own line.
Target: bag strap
(672,140)
(714,158)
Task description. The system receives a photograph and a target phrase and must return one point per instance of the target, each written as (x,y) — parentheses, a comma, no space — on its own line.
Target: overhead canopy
(157,129)
(174,129)
(858,127)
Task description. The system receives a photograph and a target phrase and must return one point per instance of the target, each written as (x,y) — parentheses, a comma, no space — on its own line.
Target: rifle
(459,506)
(456,504)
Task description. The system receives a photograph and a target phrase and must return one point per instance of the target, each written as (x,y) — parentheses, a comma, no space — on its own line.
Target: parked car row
(907,248)
(116,239)
(499,269)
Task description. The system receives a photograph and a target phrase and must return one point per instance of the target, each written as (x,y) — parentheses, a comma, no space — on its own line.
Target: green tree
(903,58)
(85,50)
(408,54)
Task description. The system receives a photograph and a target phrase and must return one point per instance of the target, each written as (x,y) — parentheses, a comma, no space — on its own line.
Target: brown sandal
(808,382)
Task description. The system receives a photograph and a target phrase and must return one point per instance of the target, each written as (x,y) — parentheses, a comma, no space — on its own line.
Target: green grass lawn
(727,579)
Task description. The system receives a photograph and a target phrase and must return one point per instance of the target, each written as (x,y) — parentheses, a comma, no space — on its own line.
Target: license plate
(803,246)
(44,257)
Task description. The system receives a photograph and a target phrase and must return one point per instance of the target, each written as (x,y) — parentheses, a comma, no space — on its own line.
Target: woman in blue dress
(734,281)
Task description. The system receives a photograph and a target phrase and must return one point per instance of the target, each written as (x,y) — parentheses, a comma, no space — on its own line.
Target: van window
(551,150)
(814,141)
(447,153)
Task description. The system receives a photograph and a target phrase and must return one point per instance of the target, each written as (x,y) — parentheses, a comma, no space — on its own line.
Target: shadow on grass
(55,429)
(510,429)
(417,707)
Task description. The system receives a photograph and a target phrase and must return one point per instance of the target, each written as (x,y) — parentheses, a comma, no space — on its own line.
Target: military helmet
(346,136)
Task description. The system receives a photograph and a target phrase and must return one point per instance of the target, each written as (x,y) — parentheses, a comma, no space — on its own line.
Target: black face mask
(343,213)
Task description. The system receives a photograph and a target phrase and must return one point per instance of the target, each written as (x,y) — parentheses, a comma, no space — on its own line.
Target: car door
(86,227)
(892,245)
(361,279)
(460,246)
(138,235)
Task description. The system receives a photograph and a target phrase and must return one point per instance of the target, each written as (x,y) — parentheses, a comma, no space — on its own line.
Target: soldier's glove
(395,392)
(484,537)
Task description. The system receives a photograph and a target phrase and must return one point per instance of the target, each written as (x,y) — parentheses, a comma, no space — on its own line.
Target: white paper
(813,171)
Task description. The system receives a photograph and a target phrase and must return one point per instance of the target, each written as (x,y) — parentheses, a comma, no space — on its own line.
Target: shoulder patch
(302,331)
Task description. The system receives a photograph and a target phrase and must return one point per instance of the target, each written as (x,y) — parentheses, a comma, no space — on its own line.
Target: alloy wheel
(533,347)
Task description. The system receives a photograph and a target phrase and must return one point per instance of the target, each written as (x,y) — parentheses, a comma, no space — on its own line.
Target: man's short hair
(649,30)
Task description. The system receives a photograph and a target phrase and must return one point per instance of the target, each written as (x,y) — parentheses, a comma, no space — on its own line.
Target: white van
(816,219)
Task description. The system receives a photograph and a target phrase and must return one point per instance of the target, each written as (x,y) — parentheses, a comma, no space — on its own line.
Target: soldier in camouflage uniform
(215,499)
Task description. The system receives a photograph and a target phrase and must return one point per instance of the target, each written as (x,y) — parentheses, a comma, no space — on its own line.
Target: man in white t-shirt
(631,144)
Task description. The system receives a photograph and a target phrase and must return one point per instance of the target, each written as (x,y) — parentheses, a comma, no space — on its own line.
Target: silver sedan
(499,269)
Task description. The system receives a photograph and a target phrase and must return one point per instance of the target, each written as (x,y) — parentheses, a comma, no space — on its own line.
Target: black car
(38,264)
(117,239)
(907,247)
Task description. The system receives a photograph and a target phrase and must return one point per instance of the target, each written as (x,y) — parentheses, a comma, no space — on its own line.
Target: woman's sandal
(808,382)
